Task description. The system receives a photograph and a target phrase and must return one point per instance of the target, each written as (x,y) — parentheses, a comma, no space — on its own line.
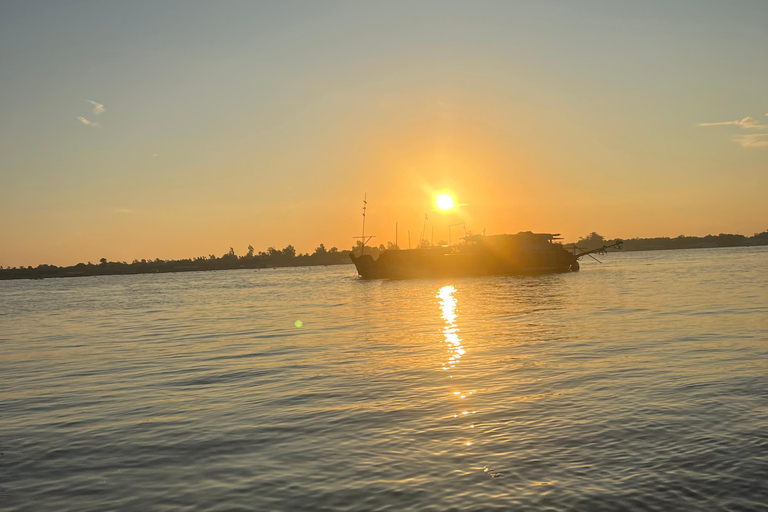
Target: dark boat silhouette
(477,255)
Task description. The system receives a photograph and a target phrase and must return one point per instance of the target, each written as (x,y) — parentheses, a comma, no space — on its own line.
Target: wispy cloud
(88,123)
(747,140)
(752,140)
(98,108)
(747,122)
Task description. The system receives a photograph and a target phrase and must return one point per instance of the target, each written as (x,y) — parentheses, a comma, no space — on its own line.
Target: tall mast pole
(396,246)
(423,231)
(362,238)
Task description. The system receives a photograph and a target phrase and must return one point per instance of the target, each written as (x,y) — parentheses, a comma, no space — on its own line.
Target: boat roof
(526,235)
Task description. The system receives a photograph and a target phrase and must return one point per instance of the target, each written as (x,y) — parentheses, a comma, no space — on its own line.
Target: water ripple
(639,384)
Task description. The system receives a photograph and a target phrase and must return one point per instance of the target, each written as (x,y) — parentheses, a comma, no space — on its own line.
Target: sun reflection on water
(450,331)
(448,307)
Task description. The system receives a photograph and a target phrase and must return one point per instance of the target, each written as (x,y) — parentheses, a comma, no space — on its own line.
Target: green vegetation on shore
(593,241)
(288,257)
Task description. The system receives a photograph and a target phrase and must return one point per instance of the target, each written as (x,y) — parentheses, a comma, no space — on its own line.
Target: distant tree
(726,240)
(321,251)
(289,252)
(333,250)
(103,261)
(392,247)
(592,238)
(250,251)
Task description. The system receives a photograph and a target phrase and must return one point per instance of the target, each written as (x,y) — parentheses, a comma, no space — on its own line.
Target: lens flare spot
(298,323)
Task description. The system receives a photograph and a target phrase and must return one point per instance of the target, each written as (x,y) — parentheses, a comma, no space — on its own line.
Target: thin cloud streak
(746,123)
(98,108)
(752,140)
(747,140)
(88,123)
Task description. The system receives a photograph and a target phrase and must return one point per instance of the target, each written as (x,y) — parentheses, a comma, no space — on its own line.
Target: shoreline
(65,272)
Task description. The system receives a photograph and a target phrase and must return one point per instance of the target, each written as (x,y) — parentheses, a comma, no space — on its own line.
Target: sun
(444,202)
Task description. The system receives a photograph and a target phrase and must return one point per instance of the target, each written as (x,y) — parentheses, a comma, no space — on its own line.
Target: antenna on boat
(365,206)
(362,238)
(396,246)
(453,225)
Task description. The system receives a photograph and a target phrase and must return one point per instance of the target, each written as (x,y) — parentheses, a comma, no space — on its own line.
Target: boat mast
(362,238)
(423,232)
(454,225)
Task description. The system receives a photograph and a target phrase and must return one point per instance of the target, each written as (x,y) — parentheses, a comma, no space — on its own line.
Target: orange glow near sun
(444,202)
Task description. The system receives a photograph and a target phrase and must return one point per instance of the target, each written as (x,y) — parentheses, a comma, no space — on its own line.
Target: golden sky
(172,130)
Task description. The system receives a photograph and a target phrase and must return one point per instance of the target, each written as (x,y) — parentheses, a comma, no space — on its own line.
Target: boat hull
(463,262)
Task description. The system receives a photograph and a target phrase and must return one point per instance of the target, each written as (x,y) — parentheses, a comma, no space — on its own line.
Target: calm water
(639,384)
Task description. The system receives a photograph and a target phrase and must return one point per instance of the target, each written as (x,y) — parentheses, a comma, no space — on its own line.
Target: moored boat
(477,255)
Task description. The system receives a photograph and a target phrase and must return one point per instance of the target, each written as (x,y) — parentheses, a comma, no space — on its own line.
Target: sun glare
(444,202)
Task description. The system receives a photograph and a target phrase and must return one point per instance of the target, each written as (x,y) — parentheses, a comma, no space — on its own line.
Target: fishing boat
(476,255)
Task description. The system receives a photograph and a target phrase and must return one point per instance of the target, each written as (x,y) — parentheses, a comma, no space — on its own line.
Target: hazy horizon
(176,130)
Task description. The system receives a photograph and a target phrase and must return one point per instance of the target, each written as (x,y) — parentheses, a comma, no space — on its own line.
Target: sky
(133,130)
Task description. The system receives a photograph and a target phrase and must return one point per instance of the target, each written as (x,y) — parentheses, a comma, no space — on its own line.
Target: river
(636,384)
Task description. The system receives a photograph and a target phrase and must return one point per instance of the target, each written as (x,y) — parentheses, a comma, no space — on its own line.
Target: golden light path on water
(448,303)
(448,308)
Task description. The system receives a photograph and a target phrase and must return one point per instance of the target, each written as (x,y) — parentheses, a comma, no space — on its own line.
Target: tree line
(272,257)
(594,240)
(288,257)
